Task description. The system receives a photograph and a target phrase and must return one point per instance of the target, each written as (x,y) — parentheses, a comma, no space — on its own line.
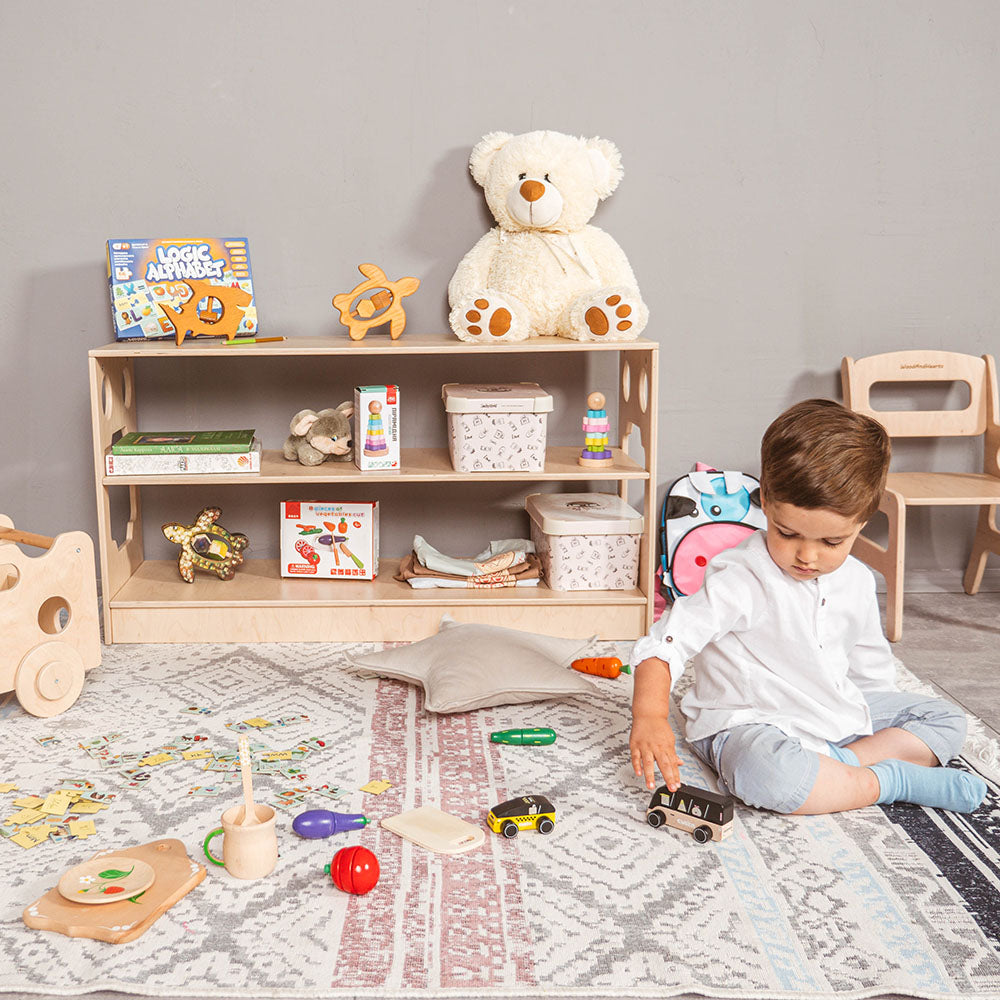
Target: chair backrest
(859,376)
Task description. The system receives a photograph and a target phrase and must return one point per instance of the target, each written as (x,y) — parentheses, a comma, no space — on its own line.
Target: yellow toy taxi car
(526,812)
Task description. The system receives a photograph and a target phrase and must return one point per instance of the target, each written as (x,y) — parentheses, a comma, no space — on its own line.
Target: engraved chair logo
(919,364)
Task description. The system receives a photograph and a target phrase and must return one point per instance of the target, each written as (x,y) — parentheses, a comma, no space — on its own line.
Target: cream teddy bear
(544,271)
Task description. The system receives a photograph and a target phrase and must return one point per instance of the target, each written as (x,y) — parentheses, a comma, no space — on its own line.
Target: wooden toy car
(526,812)
(705,815)
(48,618)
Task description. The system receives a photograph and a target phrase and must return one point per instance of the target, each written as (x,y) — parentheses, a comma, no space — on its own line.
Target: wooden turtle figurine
(383,305)
(206,545)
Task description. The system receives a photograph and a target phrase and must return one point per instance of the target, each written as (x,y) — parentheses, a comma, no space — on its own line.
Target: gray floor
(953,641)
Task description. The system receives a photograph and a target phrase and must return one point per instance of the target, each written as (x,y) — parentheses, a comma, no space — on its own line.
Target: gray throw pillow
(475,666)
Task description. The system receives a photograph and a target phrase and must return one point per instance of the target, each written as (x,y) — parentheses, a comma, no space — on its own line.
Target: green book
(182,442)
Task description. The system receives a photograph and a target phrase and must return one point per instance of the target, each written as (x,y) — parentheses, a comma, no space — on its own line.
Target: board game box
(338,540)
(181,288)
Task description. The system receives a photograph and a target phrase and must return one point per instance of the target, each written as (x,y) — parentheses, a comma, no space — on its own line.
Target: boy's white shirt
(795,654)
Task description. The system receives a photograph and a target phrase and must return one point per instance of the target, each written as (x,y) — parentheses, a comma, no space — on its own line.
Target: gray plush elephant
(317,437)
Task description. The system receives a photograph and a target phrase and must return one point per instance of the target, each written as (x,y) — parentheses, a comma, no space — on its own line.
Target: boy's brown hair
(819,454)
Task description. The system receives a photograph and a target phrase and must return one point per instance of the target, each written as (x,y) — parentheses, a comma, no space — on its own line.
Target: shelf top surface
(375,343)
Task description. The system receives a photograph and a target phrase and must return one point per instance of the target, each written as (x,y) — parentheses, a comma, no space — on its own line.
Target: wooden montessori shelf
(146,600)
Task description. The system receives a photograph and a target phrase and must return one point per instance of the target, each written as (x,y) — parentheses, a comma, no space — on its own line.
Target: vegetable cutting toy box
(157,284)
(497,428)
(376,427)
(332,540)
(585,541)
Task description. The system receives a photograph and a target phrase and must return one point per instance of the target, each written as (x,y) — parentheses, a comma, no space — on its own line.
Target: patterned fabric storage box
(497,428)
(586,541)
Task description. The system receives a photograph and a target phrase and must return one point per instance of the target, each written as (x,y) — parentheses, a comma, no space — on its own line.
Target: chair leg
(987,540)
(895,551)
(888,561)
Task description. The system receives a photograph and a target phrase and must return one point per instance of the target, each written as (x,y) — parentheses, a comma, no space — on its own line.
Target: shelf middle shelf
(418,465)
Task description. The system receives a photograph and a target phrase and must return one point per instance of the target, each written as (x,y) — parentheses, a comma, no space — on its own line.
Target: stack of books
(169,453)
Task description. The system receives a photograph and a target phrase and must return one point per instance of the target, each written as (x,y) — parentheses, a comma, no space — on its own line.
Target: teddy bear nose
(532,190)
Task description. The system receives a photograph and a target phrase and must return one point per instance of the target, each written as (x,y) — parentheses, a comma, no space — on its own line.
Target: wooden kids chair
(912,489)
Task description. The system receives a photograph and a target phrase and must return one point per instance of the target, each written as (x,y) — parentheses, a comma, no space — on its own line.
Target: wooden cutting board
(118,922)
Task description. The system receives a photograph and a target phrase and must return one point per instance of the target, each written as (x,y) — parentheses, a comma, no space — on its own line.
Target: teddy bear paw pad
(486,317)
(496,319)
(612,312)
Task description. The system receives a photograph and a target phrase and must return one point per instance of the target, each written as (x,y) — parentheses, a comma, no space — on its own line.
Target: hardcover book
(211,463)
(182,442)
(181,287)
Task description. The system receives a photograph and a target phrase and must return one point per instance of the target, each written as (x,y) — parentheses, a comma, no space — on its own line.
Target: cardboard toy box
(585,541)
(376,427)
(153,283)
(332,540)
(497,428)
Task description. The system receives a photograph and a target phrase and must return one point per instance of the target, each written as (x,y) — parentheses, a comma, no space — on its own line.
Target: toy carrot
(601,666)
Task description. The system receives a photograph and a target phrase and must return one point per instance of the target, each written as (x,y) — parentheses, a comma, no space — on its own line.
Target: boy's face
(806,543)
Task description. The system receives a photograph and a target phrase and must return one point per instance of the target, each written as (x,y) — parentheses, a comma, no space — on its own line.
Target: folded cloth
(502,554)
(531,566)
(530,569)
(465,583)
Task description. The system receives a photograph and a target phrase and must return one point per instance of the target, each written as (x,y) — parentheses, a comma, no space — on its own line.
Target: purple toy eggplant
(319,823)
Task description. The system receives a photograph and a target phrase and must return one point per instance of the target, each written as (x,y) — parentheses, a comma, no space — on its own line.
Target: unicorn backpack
(704,513)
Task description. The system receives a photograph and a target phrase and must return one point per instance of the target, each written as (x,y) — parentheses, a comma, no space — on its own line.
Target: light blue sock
(844,755)
(937,787)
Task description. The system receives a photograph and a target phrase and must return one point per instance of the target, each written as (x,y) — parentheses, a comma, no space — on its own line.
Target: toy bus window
(54,615)
(9,576)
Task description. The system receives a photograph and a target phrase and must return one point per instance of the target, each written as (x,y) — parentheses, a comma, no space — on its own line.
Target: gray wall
(803,180)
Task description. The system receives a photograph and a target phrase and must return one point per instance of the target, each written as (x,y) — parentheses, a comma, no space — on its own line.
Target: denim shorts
(765,768)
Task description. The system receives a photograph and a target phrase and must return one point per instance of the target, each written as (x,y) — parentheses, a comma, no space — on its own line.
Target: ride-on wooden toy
(48,618)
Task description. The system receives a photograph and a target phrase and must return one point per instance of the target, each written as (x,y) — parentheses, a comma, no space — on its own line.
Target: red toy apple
(354,869)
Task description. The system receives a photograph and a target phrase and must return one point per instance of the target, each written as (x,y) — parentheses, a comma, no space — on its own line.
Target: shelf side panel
(112,408)
(638,409)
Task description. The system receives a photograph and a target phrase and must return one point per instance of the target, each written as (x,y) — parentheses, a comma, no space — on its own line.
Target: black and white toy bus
(705,815)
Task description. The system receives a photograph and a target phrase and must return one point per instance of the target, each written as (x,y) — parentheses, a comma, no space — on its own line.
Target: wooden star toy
(207,546)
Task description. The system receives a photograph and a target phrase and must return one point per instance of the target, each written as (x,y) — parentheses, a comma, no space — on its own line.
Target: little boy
(794,702)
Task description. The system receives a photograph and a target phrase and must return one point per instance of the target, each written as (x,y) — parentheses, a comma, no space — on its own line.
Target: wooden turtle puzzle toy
(375,302)
(206,545)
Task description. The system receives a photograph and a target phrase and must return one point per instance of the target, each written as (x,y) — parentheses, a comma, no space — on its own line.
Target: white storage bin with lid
(586,541)
(497,428)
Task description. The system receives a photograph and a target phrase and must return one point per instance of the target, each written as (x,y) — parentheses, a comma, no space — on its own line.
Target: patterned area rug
(901,900)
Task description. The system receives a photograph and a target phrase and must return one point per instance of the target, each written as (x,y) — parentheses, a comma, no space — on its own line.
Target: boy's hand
(652,743)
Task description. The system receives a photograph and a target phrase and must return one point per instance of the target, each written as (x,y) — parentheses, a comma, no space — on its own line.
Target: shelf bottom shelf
(258,605)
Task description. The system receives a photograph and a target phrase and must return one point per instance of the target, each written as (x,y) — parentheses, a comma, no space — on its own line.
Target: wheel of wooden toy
(655,819)
(703,834)
(49,679)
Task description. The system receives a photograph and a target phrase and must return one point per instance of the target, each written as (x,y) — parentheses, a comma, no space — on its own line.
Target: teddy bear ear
(483,152)
(347,408)
(606,162)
